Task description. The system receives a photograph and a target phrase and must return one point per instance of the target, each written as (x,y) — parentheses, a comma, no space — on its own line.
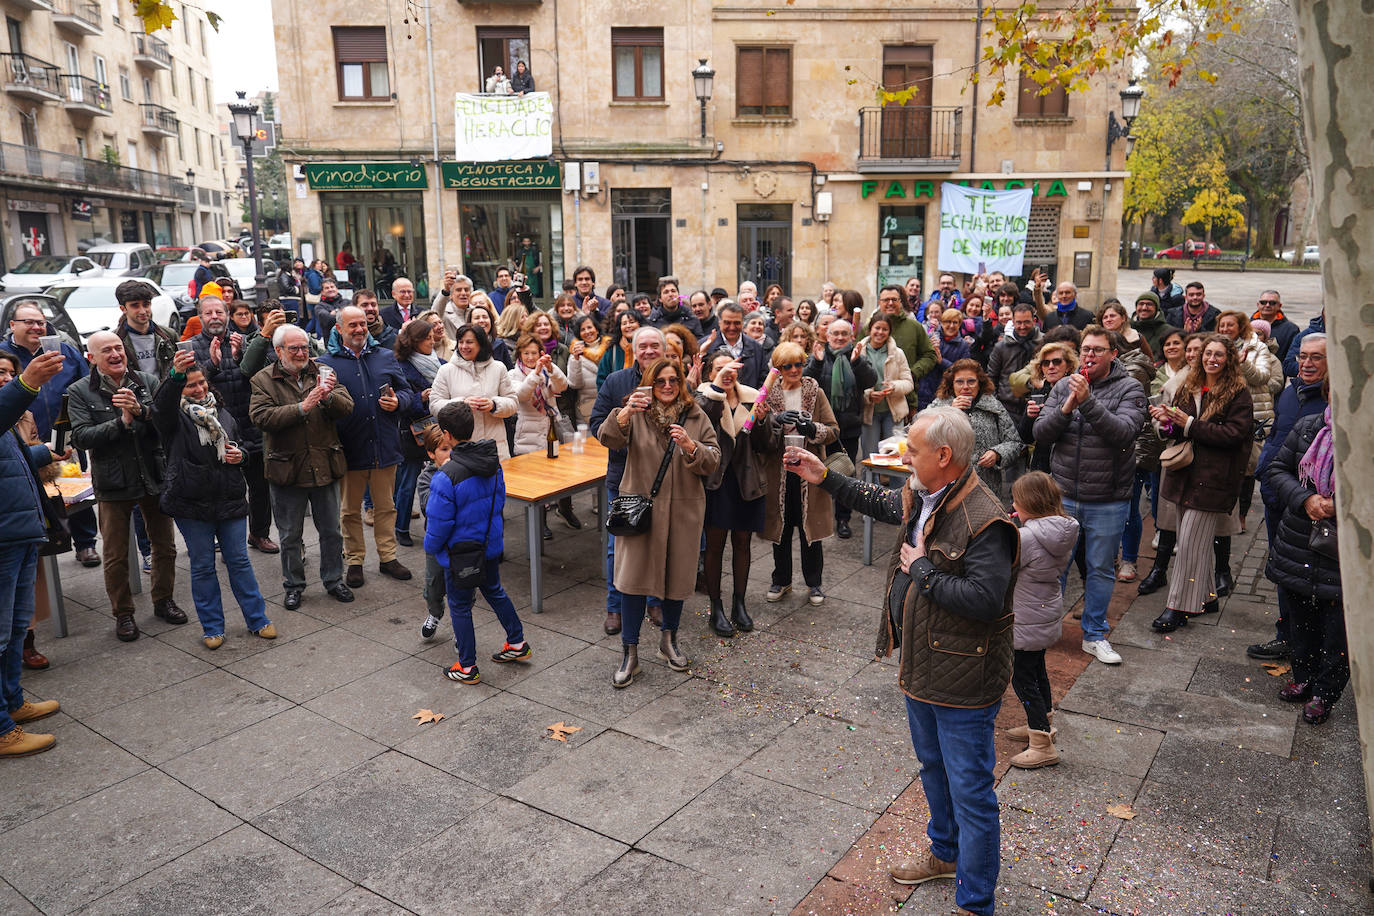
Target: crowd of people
(738,417)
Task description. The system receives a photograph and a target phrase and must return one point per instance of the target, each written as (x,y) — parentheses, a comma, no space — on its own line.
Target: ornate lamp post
(702,75)
(245,116)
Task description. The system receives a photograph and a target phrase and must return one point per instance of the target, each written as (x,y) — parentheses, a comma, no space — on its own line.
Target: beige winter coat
(459,378)
(663,561)
(1261,368)
(818,513)
(531,423)
(896,372)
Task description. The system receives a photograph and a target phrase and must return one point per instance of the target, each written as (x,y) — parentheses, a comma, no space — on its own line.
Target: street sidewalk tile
(116,835)
(646,885)
(81,764)
(1244,680)
(761,834)
(1104,744)
(363,820)
(832,896)
(872,699)
(381,704)
(143,667)
(234,873)
(860,765)
(360,902)
(1308,858)
(506,858)
(13,903)
(259,767)
(204,708)
(837,624)
(1226,833)
(313,665)
(891,841)
(498,742)
(398,626)
(239,643)
(707,720)
(581,683)
(380,593)
(587,786)
(797,672)
(549,649)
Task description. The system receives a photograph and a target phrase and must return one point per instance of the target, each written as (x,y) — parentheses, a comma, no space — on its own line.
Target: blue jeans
(460,601)
(1102,525)
(614,600)
(145,546)
(288,508)
(407,476)
(1135,524)
(18,570)
(964,821)
(632,616)
(232,535)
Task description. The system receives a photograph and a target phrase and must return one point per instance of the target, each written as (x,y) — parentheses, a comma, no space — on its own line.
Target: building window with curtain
(360,58)
(637,60)
(763,88)
(1031,104)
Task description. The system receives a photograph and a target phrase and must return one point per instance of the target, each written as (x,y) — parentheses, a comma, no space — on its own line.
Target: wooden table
(869,472)
(536,479)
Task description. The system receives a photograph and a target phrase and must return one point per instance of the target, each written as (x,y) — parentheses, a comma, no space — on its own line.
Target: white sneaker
(1154,541)
(1126,572)
(1102,650)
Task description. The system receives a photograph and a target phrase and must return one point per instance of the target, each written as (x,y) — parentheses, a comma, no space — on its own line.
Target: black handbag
(1322,540)
(467,560)
(631,514)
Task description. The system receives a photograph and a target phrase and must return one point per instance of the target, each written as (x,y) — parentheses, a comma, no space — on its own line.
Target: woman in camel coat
(662,561)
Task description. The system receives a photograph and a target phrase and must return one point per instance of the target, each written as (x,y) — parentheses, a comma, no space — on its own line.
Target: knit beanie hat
(1149,297)
(211,288)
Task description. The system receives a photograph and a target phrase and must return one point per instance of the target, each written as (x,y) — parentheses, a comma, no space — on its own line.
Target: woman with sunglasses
(663,560)
(795,405)
(1053,362)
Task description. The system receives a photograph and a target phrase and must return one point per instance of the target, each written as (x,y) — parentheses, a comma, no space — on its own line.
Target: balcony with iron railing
(909,138)
(46,169)
(82,95)
(32,4)
(158,121)
(82,16)
(151,52)
(28,77)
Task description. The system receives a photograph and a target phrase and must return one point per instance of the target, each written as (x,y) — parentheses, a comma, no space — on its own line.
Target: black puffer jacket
(849,416)
(126,461)
(1292,564)
(234,387)
(1094,446)
(197,485)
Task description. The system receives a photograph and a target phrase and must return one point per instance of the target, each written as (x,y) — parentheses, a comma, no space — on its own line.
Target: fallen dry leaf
(1277,669)
(561,731)
(428,716)
(1125,812)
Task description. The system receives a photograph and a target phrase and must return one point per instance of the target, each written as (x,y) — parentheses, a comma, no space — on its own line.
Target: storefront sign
(983,230)
(497,128)
(366,176)
(471,176)
(81,210)
(915,190)
(31,206)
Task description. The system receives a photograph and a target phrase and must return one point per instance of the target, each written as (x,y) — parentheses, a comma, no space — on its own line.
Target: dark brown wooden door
(906,128)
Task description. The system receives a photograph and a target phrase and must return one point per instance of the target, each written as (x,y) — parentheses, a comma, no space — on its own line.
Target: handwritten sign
(495,128)
(983,227)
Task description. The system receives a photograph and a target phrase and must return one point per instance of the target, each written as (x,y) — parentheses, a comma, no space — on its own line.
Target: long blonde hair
(511,319)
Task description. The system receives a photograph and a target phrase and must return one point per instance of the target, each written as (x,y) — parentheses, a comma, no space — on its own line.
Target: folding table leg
(135,561)
(534,540)
(866,475)
(53,585)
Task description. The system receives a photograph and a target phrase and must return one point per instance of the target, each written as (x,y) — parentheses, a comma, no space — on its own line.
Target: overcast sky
(244,56)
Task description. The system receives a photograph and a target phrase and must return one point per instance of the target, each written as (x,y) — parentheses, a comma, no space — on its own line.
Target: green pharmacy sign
(916,190)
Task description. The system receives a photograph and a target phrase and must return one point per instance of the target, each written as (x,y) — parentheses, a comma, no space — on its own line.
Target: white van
(123,259)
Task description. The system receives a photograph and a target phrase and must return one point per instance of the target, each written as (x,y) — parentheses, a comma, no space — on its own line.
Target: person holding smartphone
(885,404)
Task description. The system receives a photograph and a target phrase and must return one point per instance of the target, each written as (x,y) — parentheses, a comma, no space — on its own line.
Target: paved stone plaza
(290,777)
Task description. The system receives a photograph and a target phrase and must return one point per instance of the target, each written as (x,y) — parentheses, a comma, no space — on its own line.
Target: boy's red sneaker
(509,653)
(463,675)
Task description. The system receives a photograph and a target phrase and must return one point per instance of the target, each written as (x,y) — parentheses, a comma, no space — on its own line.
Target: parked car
(1309,253)
(37,274)
(244,272)
(175,278)
(280,240)
(1177,253)
(219,248)
(122,259)
(92,307)
(86,244)
(59,322)
(167,253)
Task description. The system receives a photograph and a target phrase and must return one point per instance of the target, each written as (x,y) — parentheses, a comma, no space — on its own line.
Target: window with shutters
(763,82)
(360,57)
(637,64)
(1054,104)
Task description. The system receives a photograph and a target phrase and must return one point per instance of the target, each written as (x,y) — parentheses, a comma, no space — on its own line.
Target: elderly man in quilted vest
(948,606)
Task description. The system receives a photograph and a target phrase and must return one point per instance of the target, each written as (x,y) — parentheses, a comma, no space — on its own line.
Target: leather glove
(785,418)
(806,427)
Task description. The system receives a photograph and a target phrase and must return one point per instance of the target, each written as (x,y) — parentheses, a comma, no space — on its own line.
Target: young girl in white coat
(1048,537)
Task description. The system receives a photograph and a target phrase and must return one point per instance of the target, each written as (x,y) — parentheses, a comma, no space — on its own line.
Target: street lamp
(702,75)
(1130,107)
(245,116)
(191,186)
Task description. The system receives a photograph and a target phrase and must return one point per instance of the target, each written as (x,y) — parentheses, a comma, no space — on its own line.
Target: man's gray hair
(200,306)
(948,426)
(1314,337)
(279,335)
(647,329)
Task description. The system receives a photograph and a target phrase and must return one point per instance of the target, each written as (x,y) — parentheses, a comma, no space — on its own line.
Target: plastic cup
(186,345)
(793,440)
(50,343)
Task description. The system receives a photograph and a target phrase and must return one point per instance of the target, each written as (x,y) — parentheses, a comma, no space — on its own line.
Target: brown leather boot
(33,659)
(17,743)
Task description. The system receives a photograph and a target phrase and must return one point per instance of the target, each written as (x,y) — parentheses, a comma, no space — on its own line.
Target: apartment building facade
(106,133)
(798,176)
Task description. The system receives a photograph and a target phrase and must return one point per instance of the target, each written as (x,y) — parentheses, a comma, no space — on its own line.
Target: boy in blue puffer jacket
(467,497)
